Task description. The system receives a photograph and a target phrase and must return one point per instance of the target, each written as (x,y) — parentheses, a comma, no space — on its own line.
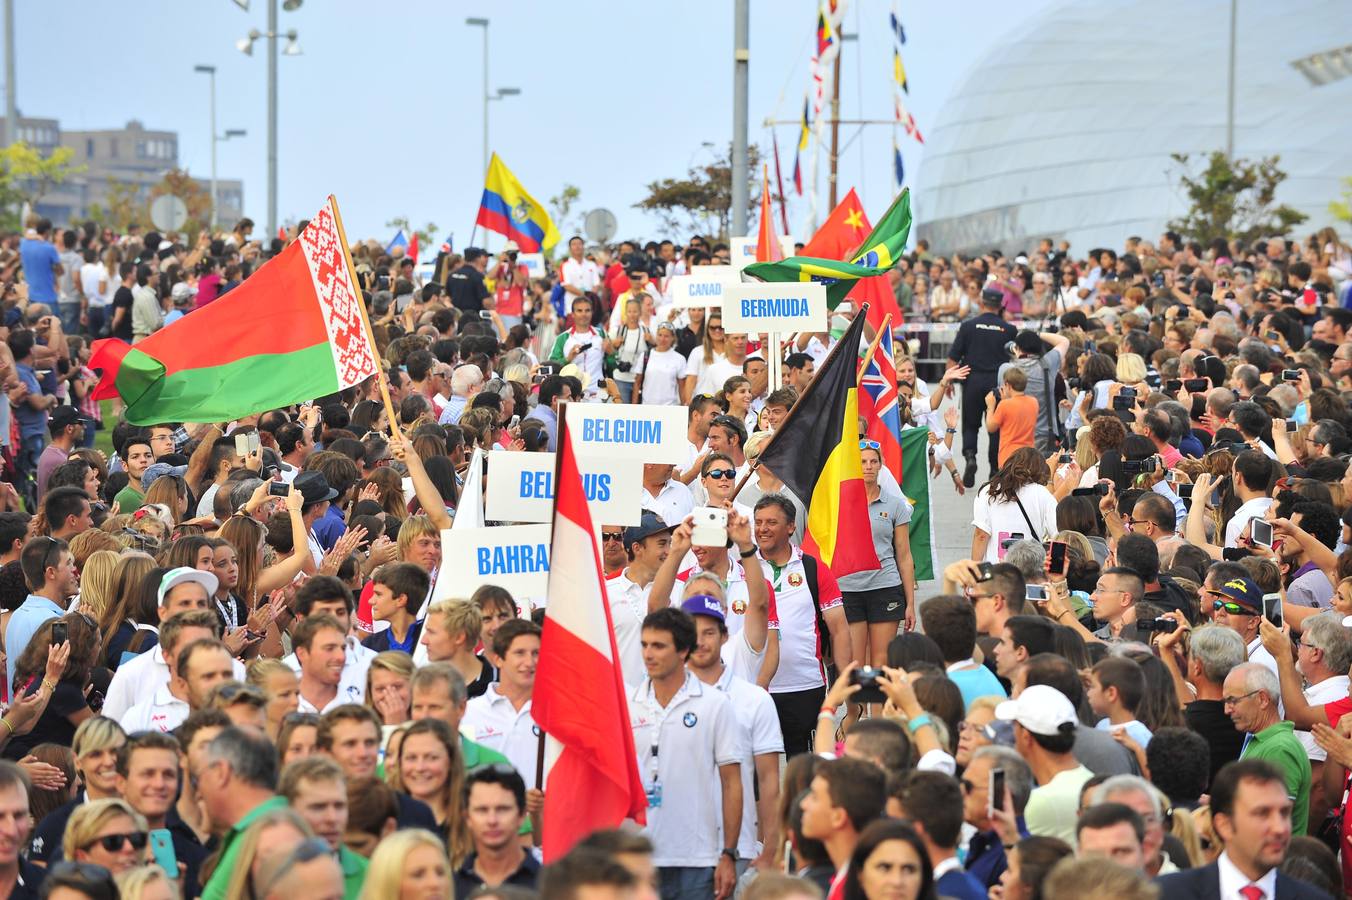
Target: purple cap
(704,605)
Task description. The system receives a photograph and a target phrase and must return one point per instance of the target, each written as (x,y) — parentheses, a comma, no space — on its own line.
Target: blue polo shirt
(38,257)
(33,422)
(23,624)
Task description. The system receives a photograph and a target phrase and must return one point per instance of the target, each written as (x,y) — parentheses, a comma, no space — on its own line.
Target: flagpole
(366,322)
(877,339)
(779,180)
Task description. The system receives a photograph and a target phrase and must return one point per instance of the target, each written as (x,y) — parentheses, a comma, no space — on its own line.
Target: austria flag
(579,699)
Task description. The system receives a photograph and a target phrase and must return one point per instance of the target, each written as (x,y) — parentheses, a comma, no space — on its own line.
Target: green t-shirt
(1279,745)
(220,878)
(354,872)
(129,499)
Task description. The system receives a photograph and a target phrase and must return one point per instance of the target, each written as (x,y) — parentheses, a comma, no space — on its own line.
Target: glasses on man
(1227,702)
(728,474)
(1233,608)
(612,536)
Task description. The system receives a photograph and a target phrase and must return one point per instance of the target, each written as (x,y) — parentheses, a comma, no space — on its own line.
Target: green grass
(103,440)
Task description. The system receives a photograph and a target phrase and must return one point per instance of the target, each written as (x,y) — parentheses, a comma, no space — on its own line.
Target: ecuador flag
(507,209)
(815,453)
(878,253)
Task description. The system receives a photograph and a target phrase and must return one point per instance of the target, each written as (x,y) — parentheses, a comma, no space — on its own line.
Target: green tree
(561,208)
(121,209)
(26,176)
(1233,199)
(702,201)
(1342,209)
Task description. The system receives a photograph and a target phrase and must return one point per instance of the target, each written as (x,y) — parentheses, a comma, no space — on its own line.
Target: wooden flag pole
(366,323)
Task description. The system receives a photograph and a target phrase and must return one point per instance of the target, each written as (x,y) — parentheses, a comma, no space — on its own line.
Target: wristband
(747,554)
(827,711)
(952,431)
(729,852)
(919,722)
(5,722)
(49,685)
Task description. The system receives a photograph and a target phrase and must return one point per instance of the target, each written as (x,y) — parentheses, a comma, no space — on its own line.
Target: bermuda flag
(878,403)
(579,699)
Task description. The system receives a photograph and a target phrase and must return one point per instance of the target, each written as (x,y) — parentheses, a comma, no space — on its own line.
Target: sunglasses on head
(114,842)
(729,474)
(870,445)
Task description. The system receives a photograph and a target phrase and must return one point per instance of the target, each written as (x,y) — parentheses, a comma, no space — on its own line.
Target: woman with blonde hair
(97,578)
(274,833)
(387,687)
(171,492)
(107,833)
(1131,368)
(432,769)
(146,883)
(280,685)
(702,358)
(246,534)
(87,543)
(410,864)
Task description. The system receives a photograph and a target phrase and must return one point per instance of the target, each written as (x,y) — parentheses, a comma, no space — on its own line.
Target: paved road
(952,516)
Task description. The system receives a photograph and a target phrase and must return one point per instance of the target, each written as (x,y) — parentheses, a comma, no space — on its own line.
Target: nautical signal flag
(509,210)
(826,38)
(815,453)
(580,700)
(899,71)
(804,132)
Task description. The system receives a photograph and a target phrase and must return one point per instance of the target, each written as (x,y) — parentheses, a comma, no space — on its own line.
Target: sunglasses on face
(115,842)
(1233,609)
(612,535)
(729,474)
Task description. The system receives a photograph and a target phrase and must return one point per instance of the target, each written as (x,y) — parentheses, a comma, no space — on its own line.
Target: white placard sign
(513,557)
(743,249)
(703,286)
(521,488)
(626,432)
(784,306)
(534,263)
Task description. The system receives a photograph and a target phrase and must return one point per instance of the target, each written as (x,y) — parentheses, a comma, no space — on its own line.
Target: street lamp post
(292,49)
(216,138)
(477,22)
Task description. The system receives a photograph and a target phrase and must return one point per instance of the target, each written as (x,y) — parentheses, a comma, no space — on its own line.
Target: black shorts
(877,605)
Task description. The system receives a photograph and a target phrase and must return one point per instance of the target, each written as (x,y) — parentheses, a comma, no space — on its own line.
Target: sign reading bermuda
(626,432)
(521,488)
(514,557)
(759,307)
(703,286)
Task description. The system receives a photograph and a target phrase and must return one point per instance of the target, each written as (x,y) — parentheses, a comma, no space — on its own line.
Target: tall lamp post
(245,46)
(489,96)
(210,71)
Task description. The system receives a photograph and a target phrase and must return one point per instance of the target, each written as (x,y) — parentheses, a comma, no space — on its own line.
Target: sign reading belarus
(760,307)
(513,557)
(703,286)
(521,488)
(628,432)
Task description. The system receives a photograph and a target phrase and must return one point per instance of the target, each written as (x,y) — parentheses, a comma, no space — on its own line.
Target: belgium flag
(816,454)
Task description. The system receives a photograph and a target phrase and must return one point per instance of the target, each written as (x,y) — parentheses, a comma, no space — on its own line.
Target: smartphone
(1272,608)
(1184,492)
(867,679)
(241,445)
(1014,538)
(1273,336)
(1173,385)
(1035,592)
(59,633)
(516,420)
(1098,490)
(485,314)
(1056,565)
(1066,459)
(985,571)
(162,844)
(545,369)
(997,789)
(711,527)
(1122,402)
(255,441)
(1193,385)
(1171,476)
(278,489)
(382,282)
(1260,532)
(1290,374)
(1234,554)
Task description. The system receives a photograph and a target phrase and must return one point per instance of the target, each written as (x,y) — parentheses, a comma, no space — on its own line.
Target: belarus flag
(579,699)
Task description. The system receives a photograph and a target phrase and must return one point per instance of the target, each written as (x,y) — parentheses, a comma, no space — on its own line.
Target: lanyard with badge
(659,714)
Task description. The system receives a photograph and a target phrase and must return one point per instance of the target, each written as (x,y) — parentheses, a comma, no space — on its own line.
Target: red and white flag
(579,699)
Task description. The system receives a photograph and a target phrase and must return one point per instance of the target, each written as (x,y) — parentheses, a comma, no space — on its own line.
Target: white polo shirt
(680,748)
(491,720)
(800,664)
(736,590)
(141,676)
(352,683)
(758,722)
(628,607)
(672,504)
(582,274)
(162,712)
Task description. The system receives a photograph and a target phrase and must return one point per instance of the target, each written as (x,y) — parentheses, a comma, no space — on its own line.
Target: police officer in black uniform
(981,345)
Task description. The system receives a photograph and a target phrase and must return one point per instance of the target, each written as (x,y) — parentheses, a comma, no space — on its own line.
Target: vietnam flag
(838,238)
(767,242)
(293,331)
(580,700)
(815,453)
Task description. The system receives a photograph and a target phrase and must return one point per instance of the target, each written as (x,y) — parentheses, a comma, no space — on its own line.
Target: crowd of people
(226,677)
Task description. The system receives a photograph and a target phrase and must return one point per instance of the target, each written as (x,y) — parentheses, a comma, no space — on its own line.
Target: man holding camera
(584,343)
(1039,357)
(510,282)
(980,344)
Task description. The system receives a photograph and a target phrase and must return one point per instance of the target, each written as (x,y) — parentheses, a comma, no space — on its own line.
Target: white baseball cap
(1041,709)
(184,574)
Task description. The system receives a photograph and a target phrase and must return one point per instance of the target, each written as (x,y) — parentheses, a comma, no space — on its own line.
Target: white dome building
(1066,130)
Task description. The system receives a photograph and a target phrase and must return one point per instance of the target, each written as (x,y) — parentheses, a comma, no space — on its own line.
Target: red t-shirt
(510,289)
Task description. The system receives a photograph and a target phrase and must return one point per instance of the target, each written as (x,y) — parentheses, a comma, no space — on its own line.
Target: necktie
(1251,892)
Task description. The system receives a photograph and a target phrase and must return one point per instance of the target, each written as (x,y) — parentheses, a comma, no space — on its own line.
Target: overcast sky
(384,107)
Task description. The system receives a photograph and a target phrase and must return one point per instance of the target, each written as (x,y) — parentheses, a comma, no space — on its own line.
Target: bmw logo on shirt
(690,719)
